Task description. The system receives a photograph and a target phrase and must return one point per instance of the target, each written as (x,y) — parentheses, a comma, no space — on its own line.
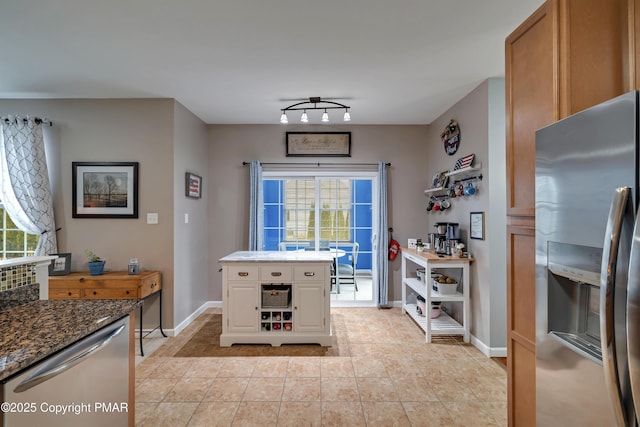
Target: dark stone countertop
(37,329)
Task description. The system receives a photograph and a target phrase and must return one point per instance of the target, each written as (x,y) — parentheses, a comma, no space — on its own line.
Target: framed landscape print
(105,190)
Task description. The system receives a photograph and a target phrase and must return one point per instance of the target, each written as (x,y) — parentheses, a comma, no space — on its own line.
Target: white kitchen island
(276,297)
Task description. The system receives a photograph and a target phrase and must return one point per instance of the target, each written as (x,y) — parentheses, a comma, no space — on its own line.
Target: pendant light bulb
(304,118)
(283,118)
(325,116)
(347,116)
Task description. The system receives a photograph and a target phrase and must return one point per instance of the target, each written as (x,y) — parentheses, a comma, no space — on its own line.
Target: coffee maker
(447,237)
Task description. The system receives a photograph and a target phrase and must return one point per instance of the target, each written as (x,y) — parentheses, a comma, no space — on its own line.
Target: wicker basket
(276,296)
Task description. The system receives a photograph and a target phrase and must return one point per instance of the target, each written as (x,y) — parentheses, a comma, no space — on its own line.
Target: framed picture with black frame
(476,226)
(193,185)
(105,190)
(61,265)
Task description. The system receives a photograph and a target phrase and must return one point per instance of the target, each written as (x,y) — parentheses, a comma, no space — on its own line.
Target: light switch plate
(152,218)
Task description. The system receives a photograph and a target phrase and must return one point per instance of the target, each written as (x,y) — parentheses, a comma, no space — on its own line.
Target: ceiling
(241,61)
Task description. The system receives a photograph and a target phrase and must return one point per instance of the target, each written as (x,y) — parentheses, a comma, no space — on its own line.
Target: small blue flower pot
(96,268)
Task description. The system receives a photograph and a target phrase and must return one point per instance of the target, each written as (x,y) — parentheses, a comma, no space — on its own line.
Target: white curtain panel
(383,238)
(26,191)
(256,207)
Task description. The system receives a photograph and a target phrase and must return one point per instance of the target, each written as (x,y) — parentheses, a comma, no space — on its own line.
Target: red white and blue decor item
(464,162)
(451,137)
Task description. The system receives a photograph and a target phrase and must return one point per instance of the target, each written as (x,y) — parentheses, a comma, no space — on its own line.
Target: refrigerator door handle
(633,318)
(621,198)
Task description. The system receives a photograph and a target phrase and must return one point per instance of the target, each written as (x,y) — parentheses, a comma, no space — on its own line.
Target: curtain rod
(317,164)
(38,120)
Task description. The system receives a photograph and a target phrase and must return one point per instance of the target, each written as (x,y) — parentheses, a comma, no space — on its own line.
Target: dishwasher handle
(69,358)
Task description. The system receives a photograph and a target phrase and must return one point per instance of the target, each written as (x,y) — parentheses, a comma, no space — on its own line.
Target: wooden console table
(110,285)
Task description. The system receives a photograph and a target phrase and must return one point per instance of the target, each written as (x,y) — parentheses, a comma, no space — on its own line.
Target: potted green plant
(96,264)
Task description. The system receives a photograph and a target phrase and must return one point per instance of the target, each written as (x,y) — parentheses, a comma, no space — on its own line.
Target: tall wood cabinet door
(591,52)
(635,41)
(242,307)
(521,328)
(531,97)
(632,46)
(309,307)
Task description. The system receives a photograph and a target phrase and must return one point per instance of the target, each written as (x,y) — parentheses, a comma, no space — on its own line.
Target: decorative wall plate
(451,137)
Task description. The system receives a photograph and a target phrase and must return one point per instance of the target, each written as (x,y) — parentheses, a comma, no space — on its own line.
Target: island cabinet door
(309,307)
(243,307)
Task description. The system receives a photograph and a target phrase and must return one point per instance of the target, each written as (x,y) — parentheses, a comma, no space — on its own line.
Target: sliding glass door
(325,211)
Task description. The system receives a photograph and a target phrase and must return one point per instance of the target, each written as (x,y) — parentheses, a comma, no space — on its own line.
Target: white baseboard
(193,316)
(488,351)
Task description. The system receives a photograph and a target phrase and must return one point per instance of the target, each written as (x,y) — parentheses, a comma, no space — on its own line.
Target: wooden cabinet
(110,285)
(301,315)
(567,56)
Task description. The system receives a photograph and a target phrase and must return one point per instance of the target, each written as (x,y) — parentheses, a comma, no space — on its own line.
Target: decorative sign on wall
(451,137)
(319,144)
(193,185)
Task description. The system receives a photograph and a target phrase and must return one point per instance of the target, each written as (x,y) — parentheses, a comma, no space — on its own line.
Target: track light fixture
(312,104)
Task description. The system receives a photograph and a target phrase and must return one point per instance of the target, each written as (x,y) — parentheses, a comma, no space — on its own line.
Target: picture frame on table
(105,190)
(476,227)
(193,185)
(318,144)
(61,265)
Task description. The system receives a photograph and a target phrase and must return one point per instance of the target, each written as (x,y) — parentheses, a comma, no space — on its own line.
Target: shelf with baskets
(414,289)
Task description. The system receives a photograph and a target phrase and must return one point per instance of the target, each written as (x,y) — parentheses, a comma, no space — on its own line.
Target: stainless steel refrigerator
(587,267)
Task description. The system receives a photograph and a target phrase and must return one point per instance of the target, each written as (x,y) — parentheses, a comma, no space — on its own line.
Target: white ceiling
(241,61)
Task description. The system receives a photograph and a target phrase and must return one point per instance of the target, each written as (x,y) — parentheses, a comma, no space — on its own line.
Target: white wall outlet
(152,218)
(186,218)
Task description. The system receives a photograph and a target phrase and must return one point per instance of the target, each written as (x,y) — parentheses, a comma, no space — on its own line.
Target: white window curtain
(256,210)
(25,187)
(383,238)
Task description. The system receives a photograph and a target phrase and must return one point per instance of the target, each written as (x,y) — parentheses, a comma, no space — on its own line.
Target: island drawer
(275,273)
(309,273)
(242,272)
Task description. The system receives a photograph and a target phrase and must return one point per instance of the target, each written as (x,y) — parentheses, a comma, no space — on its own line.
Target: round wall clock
(451,137)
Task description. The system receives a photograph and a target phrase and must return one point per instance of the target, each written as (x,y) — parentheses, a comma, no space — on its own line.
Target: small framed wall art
(476,229)
(318,144)
(105,190)
(61,265)
(193,185)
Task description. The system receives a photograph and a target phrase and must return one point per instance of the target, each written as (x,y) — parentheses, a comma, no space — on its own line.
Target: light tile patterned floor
(390,377)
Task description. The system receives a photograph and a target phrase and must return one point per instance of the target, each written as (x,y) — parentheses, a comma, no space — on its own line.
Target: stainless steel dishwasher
(86,384)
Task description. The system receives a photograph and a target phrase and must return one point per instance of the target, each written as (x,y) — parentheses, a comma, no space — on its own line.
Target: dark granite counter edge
(39,329)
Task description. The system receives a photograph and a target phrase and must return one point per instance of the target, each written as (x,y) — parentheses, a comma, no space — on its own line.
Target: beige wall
(481,118)
(191,148)
(138,130)
(405,147)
